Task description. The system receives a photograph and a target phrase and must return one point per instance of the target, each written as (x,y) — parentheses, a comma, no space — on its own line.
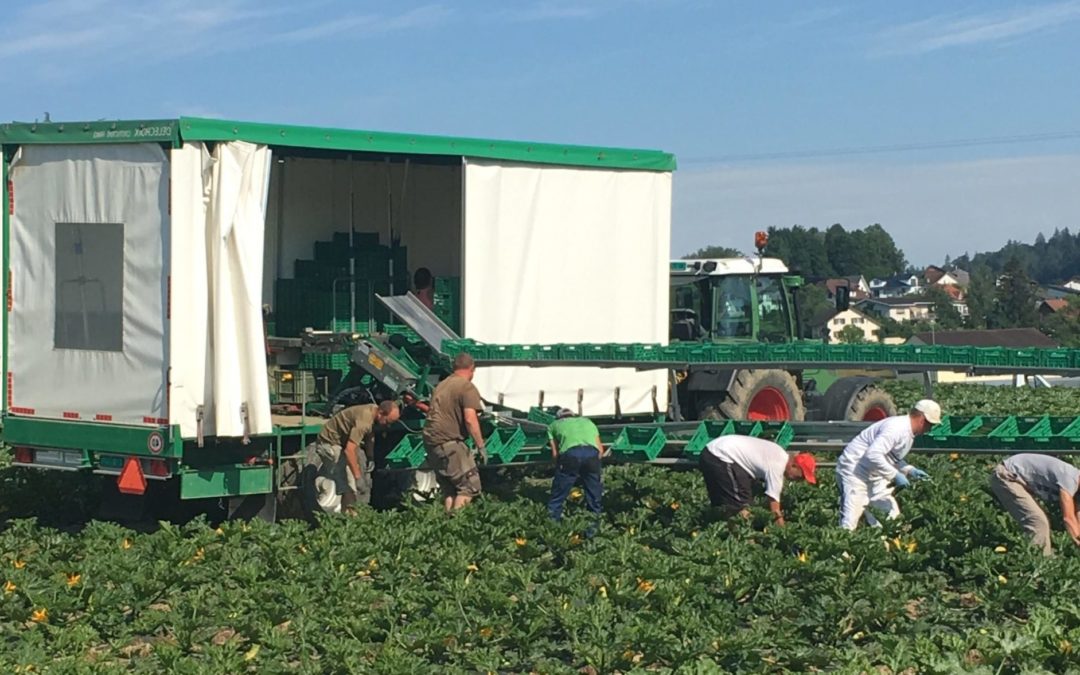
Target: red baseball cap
(805,461)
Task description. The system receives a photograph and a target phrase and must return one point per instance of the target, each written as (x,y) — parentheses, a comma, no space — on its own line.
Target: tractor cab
(733,299)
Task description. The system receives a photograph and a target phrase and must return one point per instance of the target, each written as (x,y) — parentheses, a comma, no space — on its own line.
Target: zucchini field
(950,587)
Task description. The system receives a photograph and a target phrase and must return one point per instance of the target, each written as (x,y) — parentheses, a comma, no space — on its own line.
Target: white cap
(930,410)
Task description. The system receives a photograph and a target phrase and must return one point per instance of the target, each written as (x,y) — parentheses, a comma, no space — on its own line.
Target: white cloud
(103,32)
(358,25)
(962,30)
(929,208)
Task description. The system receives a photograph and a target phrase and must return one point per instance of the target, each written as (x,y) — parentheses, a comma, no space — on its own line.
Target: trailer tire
(757,395)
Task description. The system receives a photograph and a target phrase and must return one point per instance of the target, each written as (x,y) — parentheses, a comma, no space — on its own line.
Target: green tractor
(756,300)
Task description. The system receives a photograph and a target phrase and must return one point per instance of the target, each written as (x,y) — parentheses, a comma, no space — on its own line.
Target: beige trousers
(1022,506)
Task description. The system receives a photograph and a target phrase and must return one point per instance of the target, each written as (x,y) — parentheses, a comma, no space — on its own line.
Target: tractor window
(686,312)
(89,286)
(733,308)
(772,313)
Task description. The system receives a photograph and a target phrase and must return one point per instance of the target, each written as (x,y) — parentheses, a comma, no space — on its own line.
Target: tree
(812,302)
(803,250)
(851,335)
(714,252)
(980,296)
(1015,298)
(1064,324)
(946,316)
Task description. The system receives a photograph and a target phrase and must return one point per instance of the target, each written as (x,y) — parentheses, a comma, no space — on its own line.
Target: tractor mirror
(843,298)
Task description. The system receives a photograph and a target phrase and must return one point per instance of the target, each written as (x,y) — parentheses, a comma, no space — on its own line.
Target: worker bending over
(875,458)
(732,464)
(338,447)
(576,450)
(455,416)
(1019,479)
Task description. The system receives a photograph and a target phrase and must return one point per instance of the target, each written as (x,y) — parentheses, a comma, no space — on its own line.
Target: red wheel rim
(769,404)
(875,414)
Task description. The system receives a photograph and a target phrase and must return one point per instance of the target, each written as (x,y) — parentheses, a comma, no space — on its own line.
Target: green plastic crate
(1023,358)
(900,353)
(837,353)
(711,429)
(990,356)
(583,352)
(747,352)
(809,351)
(545,415)
(503,445)
(780,433)
(408,453)
(959,354)
(639,443)
(1054,358)
(645,352)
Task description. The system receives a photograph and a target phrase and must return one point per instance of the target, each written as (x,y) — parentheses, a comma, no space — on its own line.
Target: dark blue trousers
(581,462)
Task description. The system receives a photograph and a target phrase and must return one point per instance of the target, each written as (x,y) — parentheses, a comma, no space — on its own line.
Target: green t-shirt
(571,432)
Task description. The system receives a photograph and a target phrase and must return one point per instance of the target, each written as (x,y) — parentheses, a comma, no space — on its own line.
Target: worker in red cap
(732,464)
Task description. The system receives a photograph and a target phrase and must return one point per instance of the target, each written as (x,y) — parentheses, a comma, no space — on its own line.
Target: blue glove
(917,474)
(901,480)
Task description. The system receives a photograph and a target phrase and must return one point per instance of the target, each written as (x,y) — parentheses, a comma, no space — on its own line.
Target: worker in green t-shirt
(576,450)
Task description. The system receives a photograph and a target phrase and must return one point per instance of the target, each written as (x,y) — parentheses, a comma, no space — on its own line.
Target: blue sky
(713,82)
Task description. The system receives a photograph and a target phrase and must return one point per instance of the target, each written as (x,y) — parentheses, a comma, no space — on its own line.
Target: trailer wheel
(757,395)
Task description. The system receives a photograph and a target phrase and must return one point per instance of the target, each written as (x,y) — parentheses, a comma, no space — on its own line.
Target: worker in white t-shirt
(875,458)
(732,464)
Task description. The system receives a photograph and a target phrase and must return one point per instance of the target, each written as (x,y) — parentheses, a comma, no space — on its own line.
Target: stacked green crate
(448,301)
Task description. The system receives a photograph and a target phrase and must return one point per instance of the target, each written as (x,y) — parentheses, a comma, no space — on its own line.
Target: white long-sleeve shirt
(878,451)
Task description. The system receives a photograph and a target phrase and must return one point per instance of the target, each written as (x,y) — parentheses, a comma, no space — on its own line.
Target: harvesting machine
(186,299)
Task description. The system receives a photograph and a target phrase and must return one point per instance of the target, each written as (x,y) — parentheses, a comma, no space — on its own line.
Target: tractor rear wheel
(871,404)
(759,395)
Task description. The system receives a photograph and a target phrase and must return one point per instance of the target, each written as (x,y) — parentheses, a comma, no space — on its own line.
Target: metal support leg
(928,384)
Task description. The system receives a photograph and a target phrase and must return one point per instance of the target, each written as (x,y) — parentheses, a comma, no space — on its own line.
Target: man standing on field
(576,450)
(338,445)
(455,416)
(1020,478)
(875,458)
(732,464)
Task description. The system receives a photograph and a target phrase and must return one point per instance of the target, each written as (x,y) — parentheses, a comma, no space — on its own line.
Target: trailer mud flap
(227,481)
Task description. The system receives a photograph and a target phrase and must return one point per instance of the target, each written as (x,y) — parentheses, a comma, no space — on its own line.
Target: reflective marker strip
(22,411)
(100,417)
(71,415)
(155,420)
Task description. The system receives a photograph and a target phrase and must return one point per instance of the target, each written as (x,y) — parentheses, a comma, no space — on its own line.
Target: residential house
(1052,291)
(942,277)
(1052,306)
(858,287)
(956,295)
(897,308)
(1013,338)
(895,287)
(829,324)
(1073,284)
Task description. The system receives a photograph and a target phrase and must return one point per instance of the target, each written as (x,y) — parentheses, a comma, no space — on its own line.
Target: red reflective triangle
(131,481)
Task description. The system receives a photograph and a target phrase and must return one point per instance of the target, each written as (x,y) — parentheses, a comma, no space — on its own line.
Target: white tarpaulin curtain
(217,290)
(87,326)
(556,254)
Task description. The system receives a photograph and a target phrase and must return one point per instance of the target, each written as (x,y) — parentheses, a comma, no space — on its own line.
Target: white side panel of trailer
(87,325)
(219,359)
(556,254)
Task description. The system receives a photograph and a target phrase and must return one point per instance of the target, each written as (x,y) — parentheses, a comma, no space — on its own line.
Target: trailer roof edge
(325,138)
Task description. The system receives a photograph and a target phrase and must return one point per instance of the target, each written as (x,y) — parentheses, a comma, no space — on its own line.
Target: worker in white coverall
(875,459)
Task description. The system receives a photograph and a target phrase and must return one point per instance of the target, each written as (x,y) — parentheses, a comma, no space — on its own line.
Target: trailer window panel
(89,286)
